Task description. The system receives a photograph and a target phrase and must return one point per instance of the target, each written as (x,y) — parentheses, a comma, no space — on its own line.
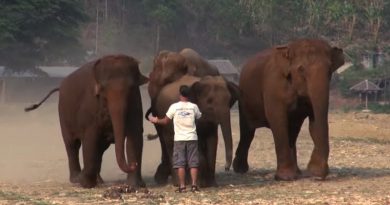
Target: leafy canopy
(35,31)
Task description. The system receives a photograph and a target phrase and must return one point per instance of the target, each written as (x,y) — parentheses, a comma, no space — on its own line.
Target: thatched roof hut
(365,87)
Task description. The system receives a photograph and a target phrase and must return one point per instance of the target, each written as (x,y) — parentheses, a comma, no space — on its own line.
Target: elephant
(100,104)
(280,87)
(169,66)
(214,97)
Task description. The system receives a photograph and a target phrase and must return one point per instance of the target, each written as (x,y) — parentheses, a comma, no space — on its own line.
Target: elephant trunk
(319,128)
(227,137)
(117,109)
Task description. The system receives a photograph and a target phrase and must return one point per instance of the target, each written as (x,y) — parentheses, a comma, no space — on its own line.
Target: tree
(38,31)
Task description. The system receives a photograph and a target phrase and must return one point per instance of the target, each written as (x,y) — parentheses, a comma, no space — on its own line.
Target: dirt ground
(34,170)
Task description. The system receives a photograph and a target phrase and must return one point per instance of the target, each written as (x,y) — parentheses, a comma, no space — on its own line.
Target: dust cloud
(32,149)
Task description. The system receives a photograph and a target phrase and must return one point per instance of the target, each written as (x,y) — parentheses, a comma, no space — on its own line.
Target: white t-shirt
(184,115)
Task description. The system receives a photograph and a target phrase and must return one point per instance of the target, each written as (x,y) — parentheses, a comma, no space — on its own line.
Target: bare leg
(181,173)
(194,176)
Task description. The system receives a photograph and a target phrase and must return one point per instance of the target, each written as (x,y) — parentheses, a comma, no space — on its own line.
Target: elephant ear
(286,55)
(337,58)
(97,70)
(140,78)
(195,89)
(234,92)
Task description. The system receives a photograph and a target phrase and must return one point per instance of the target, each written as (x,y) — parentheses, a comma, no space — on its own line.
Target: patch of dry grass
(359,165)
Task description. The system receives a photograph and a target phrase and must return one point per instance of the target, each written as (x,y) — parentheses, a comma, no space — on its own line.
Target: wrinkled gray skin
(214,97)
(99,104)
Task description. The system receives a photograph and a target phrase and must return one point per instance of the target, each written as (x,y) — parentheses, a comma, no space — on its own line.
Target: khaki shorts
(185,153)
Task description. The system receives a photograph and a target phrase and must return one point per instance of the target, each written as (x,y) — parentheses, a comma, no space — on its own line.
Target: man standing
(185,148)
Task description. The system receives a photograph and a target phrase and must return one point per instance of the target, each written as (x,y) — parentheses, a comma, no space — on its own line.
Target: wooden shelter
(366,88)
(25,87)
(226,69)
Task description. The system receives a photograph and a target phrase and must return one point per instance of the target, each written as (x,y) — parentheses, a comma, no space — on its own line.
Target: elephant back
(197,65)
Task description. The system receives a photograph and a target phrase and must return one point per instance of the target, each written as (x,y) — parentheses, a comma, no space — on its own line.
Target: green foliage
(35,31)
(377,108)
(163,12)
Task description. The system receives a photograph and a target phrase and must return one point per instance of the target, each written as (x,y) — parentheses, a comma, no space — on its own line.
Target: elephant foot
(318,171)
(227,167)
(74,179)
(88,181)
(99,179)
(141,183)
(137,184)
(208,183)
(287,174)
(162,174)
(135,180)
(240,166)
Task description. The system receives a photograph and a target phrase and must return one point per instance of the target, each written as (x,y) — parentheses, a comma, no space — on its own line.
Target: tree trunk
(157,46)
(351,27)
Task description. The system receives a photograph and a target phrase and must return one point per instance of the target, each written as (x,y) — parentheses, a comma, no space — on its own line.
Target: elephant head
(167,67)
(307,66)
(215,96)
(117,78)
(197,66)
(170,66)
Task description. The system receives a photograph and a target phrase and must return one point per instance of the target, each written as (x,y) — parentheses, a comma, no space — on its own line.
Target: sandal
(181,190)
(195,188)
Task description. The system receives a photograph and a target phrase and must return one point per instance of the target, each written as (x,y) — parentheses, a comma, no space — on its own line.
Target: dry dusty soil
(33,166)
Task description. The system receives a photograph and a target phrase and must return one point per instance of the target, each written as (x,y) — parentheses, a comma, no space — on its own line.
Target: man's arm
(162,121)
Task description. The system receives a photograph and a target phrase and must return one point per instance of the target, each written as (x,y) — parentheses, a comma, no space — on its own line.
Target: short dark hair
(184,91)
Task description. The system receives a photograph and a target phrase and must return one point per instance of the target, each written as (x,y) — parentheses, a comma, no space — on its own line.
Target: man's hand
(153,119)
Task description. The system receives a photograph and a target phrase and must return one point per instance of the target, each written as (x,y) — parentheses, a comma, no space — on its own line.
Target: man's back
(184,114)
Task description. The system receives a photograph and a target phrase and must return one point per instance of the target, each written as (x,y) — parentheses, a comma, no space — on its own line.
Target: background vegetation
(69,32)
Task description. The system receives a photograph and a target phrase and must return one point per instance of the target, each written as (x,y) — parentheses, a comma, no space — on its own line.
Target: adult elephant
(280,87)
(99,104)
(214,97)
(169,66)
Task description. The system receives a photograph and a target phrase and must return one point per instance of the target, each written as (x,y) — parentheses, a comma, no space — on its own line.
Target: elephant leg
(72,147)
(294,129)
(164,169)
(91,152)
(207,146)
(247,133)
(102,148)
(203,175)
(212,144)
(169,141)
(318,164)
(279,124)
(134,153)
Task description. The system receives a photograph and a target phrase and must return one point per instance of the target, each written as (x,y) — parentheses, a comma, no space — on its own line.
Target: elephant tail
(148,112)
(35,106)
